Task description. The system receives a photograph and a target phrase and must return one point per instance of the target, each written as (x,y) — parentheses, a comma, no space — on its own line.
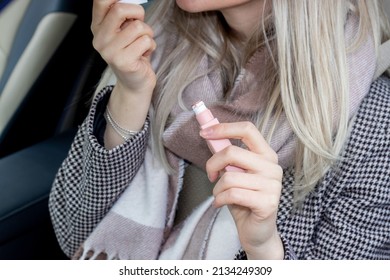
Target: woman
(292,83)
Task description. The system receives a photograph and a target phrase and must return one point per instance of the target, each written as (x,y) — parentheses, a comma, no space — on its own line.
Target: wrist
(272,249)
(129,109)
(143,92)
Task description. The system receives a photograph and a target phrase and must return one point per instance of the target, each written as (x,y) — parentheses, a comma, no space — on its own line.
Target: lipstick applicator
(206,119)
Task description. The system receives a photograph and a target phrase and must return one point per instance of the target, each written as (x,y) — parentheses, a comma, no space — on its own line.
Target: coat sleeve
(353,202)
(91,179)
(355,223)
(347,215)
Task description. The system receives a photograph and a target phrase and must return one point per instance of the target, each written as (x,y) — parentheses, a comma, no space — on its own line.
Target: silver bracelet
(123,132)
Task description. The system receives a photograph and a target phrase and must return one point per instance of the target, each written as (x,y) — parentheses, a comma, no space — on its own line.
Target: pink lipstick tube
(206,119)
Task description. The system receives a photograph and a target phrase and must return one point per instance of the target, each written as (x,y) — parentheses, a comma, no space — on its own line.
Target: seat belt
(4,3)
(383,62)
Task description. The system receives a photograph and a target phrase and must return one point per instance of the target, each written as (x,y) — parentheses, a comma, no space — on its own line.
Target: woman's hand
(125,42)
(252,196)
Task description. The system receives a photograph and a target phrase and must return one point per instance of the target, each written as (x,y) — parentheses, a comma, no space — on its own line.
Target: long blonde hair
(308,71)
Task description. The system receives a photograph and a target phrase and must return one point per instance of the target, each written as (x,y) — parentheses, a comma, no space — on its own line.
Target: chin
(190,6)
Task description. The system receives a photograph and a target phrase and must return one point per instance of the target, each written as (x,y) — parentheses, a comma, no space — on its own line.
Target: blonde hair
(307,70)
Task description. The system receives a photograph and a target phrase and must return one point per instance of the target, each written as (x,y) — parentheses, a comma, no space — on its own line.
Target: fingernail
(211,178)
(205,133)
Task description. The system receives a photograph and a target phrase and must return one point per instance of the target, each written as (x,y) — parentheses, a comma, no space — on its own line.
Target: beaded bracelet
(123,132)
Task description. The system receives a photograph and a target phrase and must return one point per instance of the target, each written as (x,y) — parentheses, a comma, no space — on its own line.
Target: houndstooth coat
(347,216)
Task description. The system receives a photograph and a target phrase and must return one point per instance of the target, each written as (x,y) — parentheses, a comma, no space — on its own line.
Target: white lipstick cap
(199,107)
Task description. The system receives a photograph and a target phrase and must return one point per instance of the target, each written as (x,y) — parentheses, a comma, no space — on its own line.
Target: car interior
(48,74)
(48,70)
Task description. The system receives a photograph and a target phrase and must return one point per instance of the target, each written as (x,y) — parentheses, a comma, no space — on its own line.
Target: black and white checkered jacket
(346,217)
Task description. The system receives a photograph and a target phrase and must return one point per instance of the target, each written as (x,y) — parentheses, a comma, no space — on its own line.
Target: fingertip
(214,204)
(212,177)
(206,133)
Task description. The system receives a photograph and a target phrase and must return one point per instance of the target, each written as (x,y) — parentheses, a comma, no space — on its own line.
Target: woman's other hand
(252,196)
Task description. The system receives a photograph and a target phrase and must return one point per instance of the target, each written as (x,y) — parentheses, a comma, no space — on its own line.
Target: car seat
(47,68)
(46,59)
